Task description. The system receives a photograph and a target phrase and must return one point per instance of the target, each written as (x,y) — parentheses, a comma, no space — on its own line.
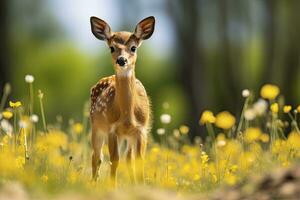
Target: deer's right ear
(100,28)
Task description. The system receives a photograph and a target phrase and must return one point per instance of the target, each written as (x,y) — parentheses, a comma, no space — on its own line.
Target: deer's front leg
(114,156)
(130,166)
(97,143)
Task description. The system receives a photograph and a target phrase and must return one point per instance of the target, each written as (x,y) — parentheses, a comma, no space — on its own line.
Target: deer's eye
(112,49)
(133,49)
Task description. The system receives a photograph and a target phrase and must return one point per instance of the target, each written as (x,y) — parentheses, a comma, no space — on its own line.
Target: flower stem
(42,111)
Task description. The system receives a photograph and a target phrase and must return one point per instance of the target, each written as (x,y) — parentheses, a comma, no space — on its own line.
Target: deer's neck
(126,93)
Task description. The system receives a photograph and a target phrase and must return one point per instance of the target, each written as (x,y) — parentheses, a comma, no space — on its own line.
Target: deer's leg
(114,156)
(130,166)
(141,145)
(97,143)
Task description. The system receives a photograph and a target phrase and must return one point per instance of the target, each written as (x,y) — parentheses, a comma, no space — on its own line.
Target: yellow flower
(77,128)
(294,140)
(298,109)
(287,108)
(252,134)
(207,117)
(264,138)
(269,91)
(184,129)
(274,108)
(7,114)
(44,178)
(225,120)
(15,104)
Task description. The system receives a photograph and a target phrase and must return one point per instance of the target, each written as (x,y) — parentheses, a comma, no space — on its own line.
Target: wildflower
(45,178)
(252,134)
(161,131)
(184,129)
(207,117)
(274,108)
(298,109)
(15,104)
(225,120)
(249,114)
(245,93)
(294,140)
(29,79)
(287,108)
(260,107)
(264,138)
(77,128)
(6,127)
(23,123)
(7,114)
(34,118)
(221,143)
(176,133)
(165,118)
(269,91)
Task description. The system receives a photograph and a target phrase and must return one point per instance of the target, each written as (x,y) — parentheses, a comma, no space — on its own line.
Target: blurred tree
(185,18)
(4,47)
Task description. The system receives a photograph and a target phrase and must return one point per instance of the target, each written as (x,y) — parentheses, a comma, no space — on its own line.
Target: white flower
(29,78)
(165,118)
(260,107)
(249,114)
(34,118)
(245,93)
(221,143)
(7,127)
(23,124)
(176,133)
(161,131)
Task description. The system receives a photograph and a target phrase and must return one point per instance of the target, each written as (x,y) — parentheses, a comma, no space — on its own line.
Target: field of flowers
(263,136)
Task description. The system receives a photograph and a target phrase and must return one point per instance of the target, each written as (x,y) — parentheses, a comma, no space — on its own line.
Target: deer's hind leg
(97,144)
(141,145)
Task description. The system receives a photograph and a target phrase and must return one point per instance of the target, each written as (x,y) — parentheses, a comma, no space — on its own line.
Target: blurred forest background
(202,54)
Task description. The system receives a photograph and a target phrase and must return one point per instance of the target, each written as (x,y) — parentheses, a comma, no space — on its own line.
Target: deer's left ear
(145,28)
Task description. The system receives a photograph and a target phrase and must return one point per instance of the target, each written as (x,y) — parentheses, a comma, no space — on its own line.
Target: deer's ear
(100,28)
(145,28)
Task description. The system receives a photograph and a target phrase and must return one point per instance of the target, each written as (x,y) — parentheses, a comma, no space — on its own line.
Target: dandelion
(221,143)
(245,93)
(252,134)
(269,91)
(249,114)
(7,114)
(298,109)
(44,178)
(207,117)
(287,108)
(165,118)
(77,128)
(15,104)
(274,108)
(225,120)
(264,138)
(34,118)
(6,127)
(260,107)
(160,131)
(184,129)
(176,133)
(23,123)
(29,78)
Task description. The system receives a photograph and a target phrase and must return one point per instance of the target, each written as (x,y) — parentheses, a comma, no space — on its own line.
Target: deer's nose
(121,61)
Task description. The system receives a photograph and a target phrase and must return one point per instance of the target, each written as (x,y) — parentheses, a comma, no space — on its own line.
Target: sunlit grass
(53,159)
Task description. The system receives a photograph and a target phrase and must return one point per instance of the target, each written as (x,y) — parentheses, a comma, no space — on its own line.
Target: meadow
(52,158)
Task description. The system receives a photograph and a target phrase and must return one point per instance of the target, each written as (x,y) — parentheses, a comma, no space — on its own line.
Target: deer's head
(123,45)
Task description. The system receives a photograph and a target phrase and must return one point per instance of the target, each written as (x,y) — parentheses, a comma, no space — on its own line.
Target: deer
(120,107)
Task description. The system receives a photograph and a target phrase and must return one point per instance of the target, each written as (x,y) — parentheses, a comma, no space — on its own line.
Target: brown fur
(120,107)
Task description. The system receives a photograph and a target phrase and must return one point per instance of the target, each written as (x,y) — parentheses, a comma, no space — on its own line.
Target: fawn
(120,108)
